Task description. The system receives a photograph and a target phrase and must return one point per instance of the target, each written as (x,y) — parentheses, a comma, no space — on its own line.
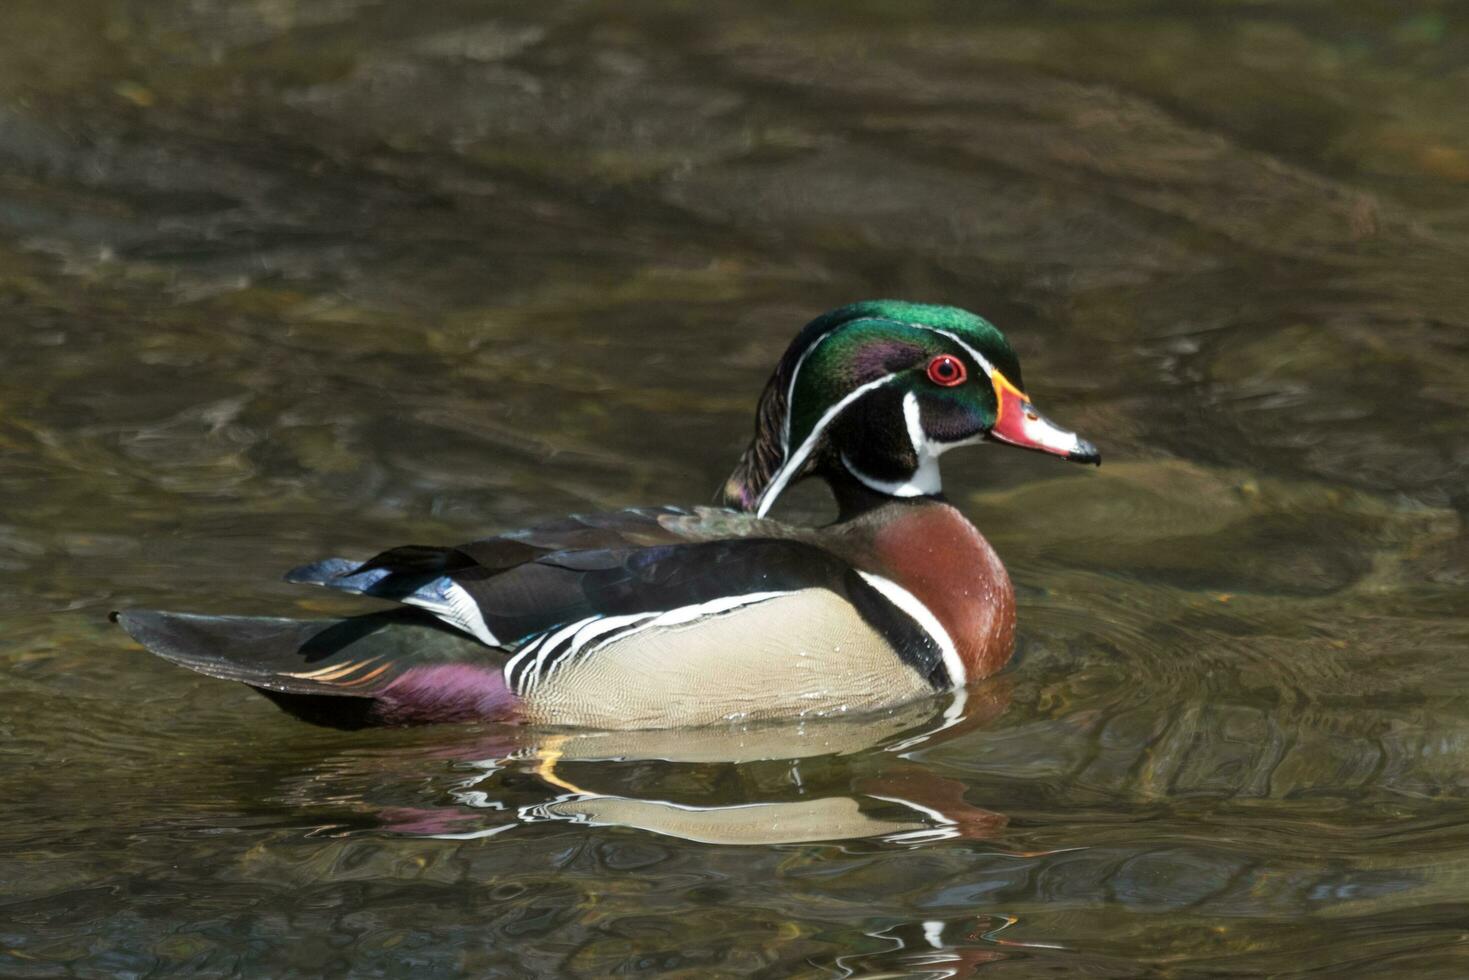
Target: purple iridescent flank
(446,692)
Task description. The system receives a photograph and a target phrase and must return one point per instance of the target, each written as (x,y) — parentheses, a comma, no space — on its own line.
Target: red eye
(946,370)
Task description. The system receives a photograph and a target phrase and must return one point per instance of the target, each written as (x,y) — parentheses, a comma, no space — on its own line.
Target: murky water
(286,278)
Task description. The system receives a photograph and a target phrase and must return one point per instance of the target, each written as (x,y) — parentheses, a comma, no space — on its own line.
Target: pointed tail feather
(396,667)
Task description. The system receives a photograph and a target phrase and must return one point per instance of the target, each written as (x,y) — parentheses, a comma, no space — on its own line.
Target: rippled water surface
(287,278)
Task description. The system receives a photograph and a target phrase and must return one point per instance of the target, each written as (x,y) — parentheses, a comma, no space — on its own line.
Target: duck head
(872,394)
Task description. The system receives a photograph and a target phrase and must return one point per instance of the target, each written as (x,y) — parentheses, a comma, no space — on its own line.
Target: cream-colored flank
(804,653)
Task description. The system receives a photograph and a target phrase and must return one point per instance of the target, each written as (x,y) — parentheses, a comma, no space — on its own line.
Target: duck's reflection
(839,778)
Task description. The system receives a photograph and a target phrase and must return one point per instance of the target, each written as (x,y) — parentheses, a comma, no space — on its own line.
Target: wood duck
(666,617)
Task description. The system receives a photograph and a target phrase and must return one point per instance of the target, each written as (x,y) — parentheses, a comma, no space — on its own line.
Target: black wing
(510,587)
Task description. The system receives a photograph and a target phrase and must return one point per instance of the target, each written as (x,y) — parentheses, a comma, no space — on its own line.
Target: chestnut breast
(931,550)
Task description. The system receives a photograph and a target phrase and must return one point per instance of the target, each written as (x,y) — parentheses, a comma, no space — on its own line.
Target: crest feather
(766,452)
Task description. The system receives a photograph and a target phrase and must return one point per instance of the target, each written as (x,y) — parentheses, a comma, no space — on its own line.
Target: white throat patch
(925,480)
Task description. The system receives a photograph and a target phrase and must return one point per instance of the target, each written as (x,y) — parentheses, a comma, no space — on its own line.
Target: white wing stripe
(451,602)
(584,636)
(467,611)
(549,647)
(687,614)
(587,636)
(513,665)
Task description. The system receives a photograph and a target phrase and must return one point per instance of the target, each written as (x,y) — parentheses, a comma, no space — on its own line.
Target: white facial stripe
(794,463)
(785,437)
(783,476)
(914,608)
(913,418)
(979,358)
(925,480)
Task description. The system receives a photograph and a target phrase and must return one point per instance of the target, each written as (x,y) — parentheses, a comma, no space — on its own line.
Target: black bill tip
(1085,452)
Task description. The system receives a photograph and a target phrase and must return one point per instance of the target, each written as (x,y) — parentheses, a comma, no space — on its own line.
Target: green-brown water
(288,278)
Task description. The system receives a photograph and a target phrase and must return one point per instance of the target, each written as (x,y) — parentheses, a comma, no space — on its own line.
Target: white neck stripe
(923,483)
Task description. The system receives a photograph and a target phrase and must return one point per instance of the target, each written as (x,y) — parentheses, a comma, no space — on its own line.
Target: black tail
(395,667)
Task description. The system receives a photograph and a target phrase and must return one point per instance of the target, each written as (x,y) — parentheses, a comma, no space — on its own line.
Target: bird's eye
(946,370)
